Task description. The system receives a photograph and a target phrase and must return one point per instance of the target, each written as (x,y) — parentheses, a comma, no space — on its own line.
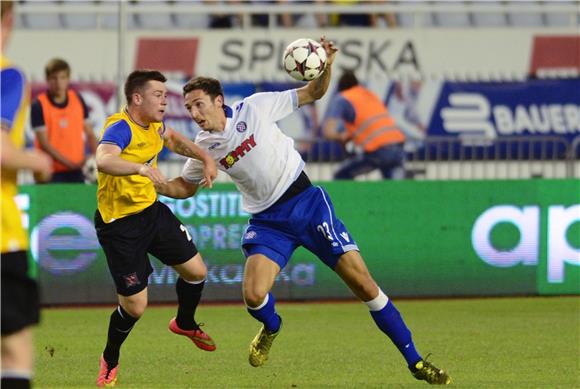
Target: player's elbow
(182,189)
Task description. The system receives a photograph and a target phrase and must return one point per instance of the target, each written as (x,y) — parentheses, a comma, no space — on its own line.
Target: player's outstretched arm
(181,145)
(109,161)
(315,89)
(13,158)
(177,188)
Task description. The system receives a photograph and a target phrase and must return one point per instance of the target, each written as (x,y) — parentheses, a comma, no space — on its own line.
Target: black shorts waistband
(298,186)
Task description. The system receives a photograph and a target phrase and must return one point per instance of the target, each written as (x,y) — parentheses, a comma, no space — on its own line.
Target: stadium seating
(162,14)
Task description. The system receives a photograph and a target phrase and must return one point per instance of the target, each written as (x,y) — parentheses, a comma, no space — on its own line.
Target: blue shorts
(306,219)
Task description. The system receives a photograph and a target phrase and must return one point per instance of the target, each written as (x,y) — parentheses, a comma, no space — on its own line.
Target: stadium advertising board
(419,239)
(534,107)
(543,109)
(255,55)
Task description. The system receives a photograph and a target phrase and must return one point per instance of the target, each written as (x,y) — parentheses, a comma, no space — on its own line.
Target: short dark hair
(211,86)
(138,79)
(56,65)
(347,80)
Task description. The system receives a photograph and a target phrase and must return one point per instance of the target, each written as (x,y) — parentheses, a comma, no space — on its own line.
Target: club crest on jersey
(241,126)
(239,152)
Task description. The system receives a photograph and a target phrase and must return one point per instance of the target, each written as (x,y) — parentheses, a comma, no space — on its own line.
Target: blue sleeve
(36,115)
(13,85)
(118,133)
(85,107)
(340,108)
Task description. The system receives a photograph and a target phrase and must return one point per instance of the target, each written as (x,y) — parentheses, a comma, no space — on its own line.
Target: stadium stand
(441,158)
(185,14)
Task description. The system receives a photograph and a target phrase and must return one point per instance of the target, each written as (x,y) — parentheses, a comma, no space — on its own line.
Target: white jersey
(252,149)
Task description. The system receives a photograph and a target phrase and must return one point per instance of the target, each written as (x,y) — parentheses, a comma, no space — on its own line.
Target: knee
(254,296)
(196,275)
(194,270)
(135,308)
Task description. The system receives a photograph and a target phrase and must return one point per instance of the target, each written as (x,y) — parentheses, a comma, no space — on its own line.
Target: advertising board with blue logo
(547,111)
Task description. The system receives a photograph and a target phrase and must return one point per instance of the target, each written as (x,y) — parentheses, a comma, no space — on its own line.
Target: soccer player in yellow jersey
(131,223)
(20,302)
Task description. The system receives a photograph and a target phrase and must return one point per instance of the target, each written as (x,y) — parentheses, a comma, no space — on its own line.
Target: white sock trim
(194,282)
(16,373)
(261,305)
(378,302)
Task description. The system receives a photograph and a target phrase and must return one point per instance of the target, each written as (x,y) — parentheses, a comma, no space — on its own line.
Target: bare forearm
(317,88)
(20,159)
(116,166)
(177,188)
(183,146)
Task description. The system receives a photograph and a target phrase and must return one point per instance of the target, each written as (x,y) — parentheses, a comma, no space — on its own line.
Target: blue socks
(389,320)
(266,313)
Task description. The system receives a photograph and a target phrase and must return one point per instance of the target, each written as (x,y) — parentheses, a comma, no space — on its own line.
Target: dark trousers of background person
(387,159)
(68,177)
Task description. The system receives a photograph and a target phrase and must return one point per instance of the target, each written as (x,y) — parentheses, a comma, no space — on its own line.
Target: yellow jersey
(120,196)
(14,107)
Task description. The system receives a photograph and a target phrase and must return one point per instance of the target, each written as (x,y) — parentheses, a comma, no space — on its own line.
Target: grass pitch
(484,343)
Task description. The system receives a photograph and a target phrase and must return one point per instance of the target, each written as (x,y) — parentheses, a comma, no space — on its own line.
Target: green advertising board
(419,238)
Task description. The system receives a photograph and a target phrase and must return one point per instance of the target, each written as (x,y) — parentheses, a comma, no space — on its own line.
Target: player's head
(7,15)
(204,100)
(57,73)
(146,93)
(347,80)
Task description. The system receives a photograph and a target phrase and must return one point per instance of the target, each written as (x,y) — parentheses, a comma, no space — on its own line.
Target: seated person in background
(59,118)
(377,140)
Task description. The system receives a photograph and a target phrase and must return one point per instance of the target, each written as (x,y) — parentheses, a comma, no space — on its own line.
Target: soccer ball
(304,59)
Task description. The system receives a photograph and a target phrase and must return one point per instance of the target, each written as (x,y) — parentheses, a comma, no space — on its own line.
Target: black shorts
(20,298)
(127,241)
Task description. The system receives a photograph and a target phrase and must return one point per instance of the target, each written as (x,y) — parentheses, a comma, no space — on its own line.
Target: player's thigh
(20,297)
(324,234)
(124,242)
(172,244)
(193,269)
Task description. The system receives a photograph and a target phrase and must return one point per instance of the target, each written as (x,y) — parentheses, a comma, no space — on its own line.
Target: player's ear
(137,99)
(219,101)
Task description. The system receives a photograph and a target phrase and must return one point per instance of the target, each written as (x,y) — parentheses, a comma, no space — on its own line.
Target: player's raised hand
(330,48)
(209,173)
(153,174)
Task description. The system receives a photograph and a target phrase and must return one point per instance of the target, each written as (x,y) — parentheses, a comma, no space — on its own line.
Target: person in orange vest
(59,118)
(358,116)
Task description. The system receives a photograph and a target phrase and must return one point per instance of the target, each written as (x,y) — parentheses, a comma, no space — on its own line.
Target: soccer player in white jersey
(286,210)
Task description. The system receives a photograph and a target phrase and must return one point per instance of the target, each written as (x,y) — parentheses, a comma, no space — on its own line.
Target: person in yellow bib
(131,223)
(20,300)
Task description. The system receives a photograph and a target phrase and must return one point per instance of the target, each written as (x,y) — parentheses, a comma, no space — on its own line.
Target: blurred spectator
(223,20)
(350,19)
(368,126)
(59,119)
(303,20)
(389,18)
